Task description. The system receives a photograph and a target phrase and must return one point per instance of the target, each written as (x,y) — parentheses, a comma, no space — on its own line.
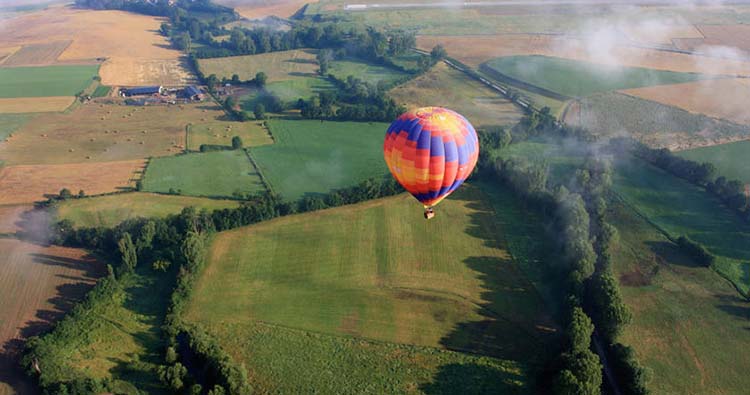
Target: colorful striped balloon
(431,151)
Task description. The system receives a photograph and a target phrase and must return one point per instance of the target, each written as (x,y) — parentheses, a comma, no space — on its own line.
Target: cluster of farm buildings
(144,95)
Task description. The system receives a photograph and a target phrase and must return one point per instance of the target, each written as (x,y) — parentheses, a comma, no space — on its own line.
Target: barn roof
(143,90)
(192,90)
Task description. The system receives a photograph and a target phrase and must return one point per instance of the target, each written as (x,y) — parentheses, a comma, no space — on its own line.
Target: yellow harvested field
(256,9)
(737,36)
(278,66)
(37,54)
(474,50)
(28,184)
(97,132)
(35,104)
(723,98)
(119,71)
(6,52)
(658,33)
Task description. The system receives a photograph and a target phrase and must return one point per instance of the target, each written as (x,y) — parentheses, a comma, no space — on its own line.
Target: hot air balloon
(431,151)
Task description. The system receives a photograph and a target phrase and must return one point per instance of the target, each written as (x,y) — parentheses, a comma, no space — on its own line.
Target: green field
(689,324)
(101,91)
(574,78)
(45,81)
(222,132)
(378,271)
(9,123)
(444,86)
(216,174)
(562,160)
(365,71)
(314,157)
(680,208)
(653,123)
(732,160)
(110,210)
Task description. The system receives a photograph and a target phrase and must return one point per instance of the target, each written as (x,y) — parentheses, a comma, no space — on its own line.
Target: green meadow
(45,81)
(732,160)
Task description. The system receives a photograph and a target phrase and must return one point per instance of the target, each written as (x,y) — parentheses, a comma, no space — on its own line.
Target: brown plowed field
(474,50)
(30,183)
(724,98)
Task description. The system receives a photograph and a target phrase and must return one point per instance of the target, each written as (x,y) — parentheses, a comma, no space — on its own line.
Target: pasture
(701,97)
(314,157)
(578,79)
(107,132)
(679,208)
(655,124)
(222,132)
(38,285)
(375,271)
(21,105)
(447,87)
(688,322)
(110,210)
(732,160)
(214,174)
(31,183)
(9,123)
(291,74)
(367,72)
(45,81)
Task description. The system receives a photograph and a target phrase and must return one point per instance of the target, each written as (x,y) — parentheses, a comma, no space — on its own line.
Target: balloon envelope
(431,151)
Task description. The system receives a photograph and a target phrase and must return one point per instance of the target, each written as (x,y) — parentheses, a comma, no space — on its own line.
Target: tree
(81,193)
(579,331)
(65,194)
(607,308)
(171,355)
(127,252)
(173,375)
(260,79)
(438,53)
(259,111)
(236,142)
(161,265)
(235,79)
(164,29)
(324,58)
(582,375)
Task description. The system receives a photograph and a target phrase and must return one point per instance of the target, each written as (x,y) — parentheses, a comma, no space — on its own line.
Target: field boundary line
(262,177)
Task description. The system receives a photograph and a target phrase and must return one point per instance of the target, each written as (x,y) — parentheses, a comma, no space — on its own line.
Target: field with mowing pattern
(444,86)
(110,210)
(222,132)
(9,123)
(314,157)
(731,160)
(20,105)
(688,322)
(215,174)
(577,79)
(368,72)
(377,271)
(679,208)
(45,81)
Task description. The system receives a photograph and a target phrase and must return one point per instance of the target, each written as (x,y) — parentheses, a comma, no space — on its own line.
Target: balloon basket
(429,213)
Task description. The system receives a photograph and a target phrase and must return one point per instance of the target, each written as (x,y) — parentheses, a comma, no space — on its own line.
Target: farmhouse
(143,91)
(192,92)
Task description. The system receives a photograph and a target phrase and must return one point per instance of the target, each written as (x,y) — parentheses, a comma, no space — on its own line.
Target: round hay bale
(88,157)
(144,132)
(106,150)
(71,150)
(141,143)
(130,139)
(92,139)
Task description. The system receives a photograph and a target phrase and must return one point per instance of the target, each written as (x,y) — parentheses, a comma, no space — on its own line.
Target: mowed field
(313,157)
(365,71)
(216,174)
(689,324)
(21,105)
(447,87)
(681,209)
(377,271)
(222,132)
(731,160)
(110,210)
(291,74)
(36,54)
(38,285)
(720,98)
(45,81)
(256,9)
(137,54)
(97,132)
(477,49)
(30,183)
(9,123)
(577,79)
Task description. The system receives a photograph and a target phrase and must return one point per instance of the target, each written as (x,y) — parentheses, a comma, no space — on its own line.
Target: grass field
(32,183)
(368,72)
(731,160)
(577,79)
(655,124)
(680,208)
(216,174)
(108,211)
(444,86)
(700,97)
(688,322)
(222,132)
(9,123)
(108,132)
(562,160)
(313,157)
(376,271)
(45,81)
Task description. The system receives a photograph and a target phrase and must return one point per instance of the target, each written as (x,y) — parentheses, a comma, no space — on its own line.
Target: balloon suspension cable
(429,212)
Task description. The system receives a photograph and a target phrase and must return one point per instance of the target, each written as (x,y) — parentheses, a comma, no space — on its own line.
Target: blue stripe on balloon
(423,197)
(451,151)
(463,157)
(436,147)
(424,140)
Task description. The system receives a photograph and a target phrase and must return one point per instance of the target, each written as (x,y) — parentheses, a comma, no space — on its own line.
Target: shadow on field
(667,252)
(472,379)
(514,326)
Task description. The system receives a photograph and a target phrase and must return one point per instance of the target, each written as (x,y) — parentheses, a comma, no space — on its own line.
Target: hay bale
(88,157)
(92,139)
(130,139)
(144,132)
(141,143)
(71,150)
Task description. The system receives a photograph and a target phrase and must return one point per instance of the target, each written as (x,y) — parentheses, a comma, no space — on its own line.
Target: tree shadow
(669,252)
(302,61)
(473,378)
